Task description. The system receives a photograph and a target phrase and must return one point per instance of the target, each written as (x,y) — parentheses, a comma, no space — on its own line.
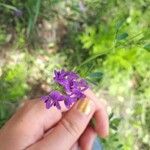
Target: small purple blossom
(53,99)
(70,81)
(69,100)
(63,78)
(18,13)
(74,88)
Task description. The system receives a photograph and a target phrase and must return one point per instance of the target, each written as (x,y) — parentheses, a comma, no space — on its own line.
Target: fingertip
(103,133)
(87,139)
(102,121)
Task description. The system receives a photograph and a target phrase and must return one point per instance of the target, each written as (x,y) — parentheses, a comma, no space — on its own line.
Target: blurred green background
(106,41)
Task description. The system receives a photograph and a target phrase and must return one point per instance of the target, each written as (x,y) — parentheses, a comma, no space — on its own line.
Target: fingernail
(84,106)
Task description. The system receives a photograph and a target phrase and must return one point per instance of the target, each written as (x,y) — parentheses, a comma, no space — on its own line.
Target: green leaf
(96,75)
(147,47)
(33,12)
(119,146)
(119,24)
(115,123)
(122,36)
(111,116)
(8,6)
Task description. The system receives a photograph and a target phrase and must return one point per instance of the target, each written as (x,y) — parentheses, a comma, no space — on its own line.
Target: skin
(35,128)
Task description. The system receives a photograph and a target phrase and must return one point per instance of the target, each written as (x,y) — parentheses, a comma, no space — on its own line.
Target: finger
(75,146)
(34,111)
(29,124)
(101,116)
(87,139)
(70,128)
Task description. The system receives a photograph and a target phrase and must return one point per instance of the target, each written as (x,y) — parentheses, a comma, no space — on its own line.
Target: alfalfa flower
(73,89)
(53,99)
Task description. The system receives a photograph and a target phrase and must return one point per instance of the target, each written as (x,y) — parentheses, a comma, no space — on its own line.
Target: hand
(34,127)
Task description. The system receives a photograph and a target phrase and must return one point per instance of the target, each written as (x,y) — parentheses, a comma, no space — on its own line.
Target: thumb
(70,128)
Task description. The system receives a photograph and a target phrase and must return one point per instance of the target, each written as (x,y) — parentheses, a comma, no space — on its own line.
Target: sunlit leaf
(147,47)
(119,24)
(93,57)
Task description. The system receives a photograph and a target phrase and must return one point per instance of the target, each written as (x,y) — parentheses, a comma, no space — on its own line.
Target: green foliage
(147,47)
(113,141)
(6,110)
(122,36)
(2,36)
(13,83)
(117,52)
(33,9)
(13,87)
(98,39)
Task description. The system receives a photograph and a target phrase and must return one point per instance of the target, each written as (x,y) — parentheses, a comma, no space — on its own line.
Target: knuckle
(71,126)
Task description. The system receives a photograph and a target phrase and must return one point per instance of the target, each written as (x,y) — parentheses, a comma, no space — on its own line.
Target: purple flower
(53,99)
(73,86)
(63,77)
(83,85)
(18,13)
(70,81)
(78,94)
(69,101)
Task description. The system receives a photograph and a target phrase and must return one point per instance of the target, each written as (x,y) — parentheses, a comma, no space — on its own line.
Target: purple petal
(83,85)
(58,106)
(56,96)
(78,94)
(69,101)
(44,98)
(48,104)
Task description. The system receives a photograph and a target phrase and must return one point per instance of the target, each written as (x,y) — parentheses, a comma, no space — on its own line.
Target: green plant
(2,36)
(13,83)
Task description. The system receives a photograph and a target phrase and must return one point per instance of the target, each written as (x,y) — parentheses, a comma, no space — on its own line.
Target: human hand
(34,127)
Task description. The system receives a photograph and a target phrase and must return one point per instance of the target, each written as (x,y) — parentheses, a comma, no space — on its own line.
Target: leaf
(33,12)
(111,116)
(119,24)
(115,123)
(92,82)
(122,36)
(113,127)
(147,47)
(119,146)
(96,75)
(9,6)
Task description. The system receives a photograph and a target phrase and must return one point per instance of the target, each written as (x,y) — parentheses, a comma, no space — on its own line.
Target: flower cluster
(73,87)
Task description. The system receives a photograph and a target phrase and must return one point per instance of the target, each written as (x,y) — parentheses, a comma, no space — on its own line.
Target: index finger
(100,115)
